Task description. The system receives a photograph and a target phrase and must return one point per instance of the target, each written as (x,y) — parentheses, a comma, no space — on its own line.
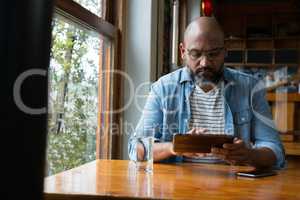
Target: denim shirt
(247,113)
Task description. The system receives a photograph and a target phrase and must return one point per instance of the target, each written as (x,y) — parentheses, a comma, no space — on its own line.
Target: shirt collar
(185,75)
(228,77)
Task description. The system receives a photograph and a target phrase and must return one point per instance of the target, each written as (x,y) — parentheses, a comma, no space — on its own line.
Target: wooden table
(109,179)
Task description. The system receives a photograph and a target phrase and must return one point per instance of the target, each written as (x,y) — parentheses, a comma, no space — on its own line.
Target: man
(205,97)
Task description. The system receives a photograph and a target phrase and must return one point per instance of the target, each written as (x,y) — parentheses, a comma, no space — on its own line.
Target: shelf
(258,49)
(286,64)
(292,148)
(262,65)
(296,37)
(287,38)
(274,43)
(275,32)
(265,38)
(259,38)
(234,39)
(286,43)
(259,65)
(261,49)
(234,64)
(263,56)
(235,49)
(286,97)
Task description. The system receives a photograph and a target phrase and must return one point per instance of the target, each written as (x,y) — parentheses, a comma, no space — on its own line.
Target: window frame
(75,12)
(109,26)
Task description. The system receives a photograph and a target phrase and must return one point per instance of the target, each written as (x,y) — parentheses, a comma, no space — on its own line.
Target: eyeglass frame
(217,50)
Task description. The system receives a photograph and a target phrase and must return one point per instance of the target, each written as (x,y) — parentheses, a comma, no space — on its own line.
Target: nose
(204,61)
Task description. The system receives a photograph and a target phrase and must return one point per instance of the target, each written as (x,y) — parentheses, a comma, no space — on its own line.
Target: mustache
(207,74)
(204,69)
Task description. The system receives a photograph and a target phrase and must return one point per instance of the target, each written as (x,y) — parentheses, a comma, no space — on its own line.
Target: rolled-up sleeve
(263,127)
(276,148)
(150,121)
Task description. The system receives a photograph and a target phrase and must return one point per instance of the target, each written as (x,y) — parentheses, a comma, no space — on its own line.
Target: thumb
(236,140)
(192,131)
(201,130)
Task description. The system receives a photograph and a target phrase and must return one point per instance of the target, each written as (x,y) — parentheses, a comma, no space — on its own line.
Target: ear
(182,50)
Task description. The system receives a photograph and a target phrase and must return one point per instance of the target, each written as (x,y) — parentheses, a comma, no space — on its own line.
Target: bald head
(206,27)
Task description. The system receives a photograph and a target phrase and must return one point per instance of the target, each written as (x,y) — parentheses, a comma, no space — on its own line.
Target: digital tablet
(202,143)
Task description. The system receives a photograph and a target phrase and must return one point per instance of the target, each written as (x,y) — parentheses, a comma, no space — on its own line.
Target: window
(95,6)
(82,51)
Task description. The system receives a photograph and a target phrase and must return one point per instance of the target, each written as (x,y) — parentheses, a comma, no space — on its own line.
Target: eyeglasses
(210,54)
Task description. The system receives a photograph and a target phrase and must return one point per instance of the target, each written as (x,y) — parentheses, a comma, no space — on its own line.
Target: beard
(207,76)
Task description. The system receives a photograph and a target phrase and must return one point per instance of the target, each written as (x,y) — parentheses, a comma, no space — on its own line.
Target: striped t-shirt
(207,109)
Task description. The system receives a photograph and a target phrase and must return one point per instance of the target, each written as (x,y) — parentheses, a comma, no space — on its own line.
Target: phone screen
(257,173)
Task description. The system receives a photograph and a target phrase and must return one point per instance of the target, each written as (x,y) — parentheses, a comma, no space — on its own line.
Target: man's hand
(196,131)
(162,151)
(165,150)
(236,153)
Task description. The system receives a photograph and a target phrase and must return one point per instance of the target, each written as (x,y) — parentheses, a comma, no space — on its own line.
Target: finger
(231,162)
(188,155)
(237,141)
(220,156)
(235,160)
(236,153)
(206,154)
(192,131)
(236,145)
(200,155)
(241,155)
(192,155)
(201,130)
(196,155)
(219,151)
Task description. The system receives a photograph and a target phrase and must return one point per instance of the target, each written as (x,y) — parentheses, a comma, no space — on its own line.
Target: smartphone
(257,173)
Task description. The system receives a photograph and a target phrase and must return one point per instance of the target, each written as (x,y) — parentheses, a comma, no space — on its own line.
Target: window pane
(73,95)
(95,6)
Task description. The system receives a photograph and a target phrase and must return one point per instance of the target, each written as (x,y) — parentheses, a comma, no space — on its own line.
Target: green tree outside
(73,96)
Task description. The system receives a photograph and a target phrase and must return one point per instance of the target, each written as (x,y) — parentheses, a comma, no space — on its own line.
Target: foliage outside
(73,96)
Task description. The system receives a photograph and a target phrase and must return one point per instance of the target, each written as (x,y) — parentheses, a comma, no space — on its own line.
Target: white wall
(139,57)
(193,7)
(140,54)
